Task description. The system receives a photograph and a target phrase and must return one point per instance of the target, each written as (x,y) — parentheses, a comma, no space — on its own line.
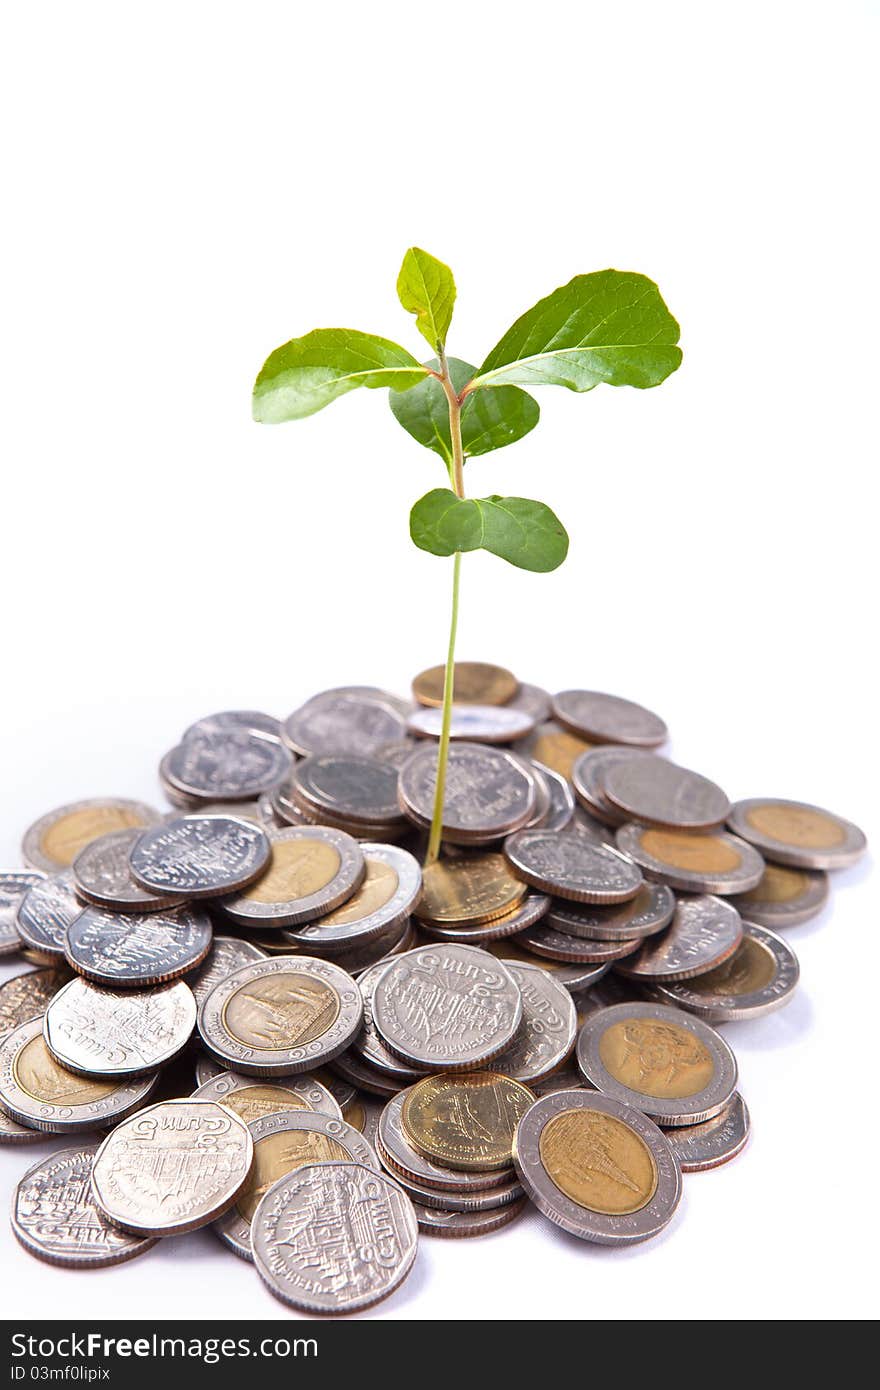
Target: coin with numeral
(55,1217)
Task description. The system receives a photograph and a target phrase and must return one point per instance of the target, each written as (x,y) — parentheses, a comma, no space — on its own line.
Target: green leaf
(425,287)
(525,533)
(308,373)
(489,419)
(611,326)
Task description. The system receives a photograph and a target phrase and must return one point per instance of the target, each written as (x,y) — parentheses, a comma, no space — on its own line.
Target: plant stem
(457,480)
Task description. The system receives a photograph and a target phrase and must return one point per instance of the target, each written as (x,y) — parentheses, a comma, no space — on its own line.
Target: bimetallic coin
(599,1169)
(705,932)
(229,765)
(488,792)
(284,1142)
(794,833)
(568,866)
(348,787)
(656,792)
(363,1115)
(44,914)
(387,894)
(715,1141)
(447,1007)
(368,1045)
(12,889)
(673,1067)
(650,911)
(588,779)
(554,747)
(39,1093)
(55,1217)
(474,683)
(25,996)
(545,941)
(548,1030)
(759,977)
(479,723)
(172,1168)
(250,1099)
(227,953)
(784,897)
(399,1156)
(374,1229)
(200,856)
(560,813)
(312,871)
(249,721)
(53,842)
(281,1016)
(465,1121)
(715,863)
(469,890)
(111,1034)
(461,1224)
(130,952)
(102,875)
(533,908)
(344,722)
(608,719)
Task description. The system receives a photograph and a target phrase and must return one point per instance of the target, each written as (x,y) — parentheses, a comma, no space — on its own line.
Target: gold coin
(705,854)
(378,888)
(557,749)
(598,1161)
(252,1102)
(469,890)
(751,967)
(475,683)
(656,1058)
(41,1078)
(64,838)
(778,885)
(798,826)
(297,869)
(465,1122)
(277,1012)
(277,1155)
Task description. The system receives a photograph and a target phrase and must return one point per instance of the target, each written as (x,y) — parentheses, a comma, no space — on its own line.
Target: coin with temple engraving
(102,875)
(334,1237)
(785,897)
(200,856)
(467,1120)
(344,721)
(399,1156)
(229,765)
(795,833)
(12,889)
(347,786)
(386,896)
(312,870)
(26,996)
(251,721)
(474,683)
(548,1030)
(39,1093)
(599,1169)
(113,1033)
(44,914)
(53,842)
(281,1016)
(670,1065)
(711,863)
(227,953)
(488,792)
(149,949)
(172,1168)
(568,866)
(447,1007)
(533,908)
(608,719)
(54,1215)
(368,1044)
(715,1141)
(759,977)
(469,890)
(251,1099)
(283,1142)
(650,911)
(704,933)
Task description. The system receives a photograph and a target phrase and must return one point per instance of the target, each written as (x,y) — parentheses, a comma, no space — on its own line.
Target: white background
(190,185)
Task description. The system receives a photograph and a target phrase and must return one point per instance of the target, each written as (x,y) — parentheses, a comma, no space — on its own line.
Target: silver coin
(227,953)
(588,779)
(200,856)
(479,723)
(102,875)
(396,753)
(664,1062)
(344,722)
(265,813)
(281,1016)
(334,1237)
(493,1200)
(54,1215)
(12,889)
(398,1155)
(447,1007)
(785,897)
(230,765)
(250,1099)
(560,812)
(759,977)
(533,700)
(574,975)
(11,1132)
(567,1078)
(533,908)
(312,870)
(250,721)
(583,823)
(715,1141)
(368,1045)
(206,1069)
(599,1169)
(26,996)
(796,833)
(649,912)
(44,914)
(53,842)
(705,932)
(608,719)
(308,1138)
(714,863)
(127,952)
(487,794)
(387,895)
(37,1092)
(363,1115)
(654,791)
(172,1168)
(110,1034)
(568,866)
(241,810)
(461,1224)
(548,1030)
(356,788)
(361,1076)
(551,944)
(356,959)
(543,802)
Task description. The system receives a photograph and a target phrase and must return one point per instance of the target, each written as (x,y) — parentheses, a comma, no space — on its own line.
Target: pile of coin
(380,1049)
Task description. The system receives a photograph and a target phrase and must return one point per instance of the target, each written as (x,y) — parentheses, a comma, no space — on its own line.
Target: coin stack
(377,1047)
